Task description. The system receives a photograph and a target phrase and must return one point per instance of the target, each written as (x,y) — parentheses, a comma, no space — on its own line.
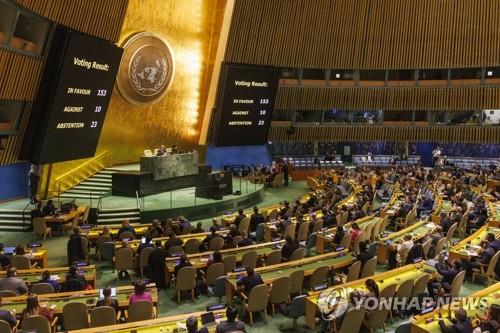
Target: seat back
(102,316)
(257,300)
(100,242)
(451,232)
(187,229)
(20,262)
(352,321)
(175,249)
(273,214)
(353,272)
(192,246)
(297,254)
(249,259)
(259,232)
(303,231)
(5,327)
(493,264)
(216,244)
(383,225)
(140,310)
(426,246)
(280,290)
(345,217)
(273,258)
(144,256)
(124,259)
(39,324)
(85,247)
(369,268)
(244,224)
(297,307)
(229,263)
(296,282)
(318,225)
(39,226)
(108,250)
(290,231)
(376,229)
(338,217)
(213,272)
(126,235)
(420,285)
(439,246)
(367,233)
(318,276)
(42,288)
(220,286)
(456,285)
(186,279)
(346,241)
(75,316)
(7,293)
(405,289)
(236,240)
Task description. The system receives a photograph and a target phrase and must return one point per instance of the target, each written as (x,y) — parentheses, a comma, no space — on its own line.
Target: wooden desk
(443,206)
(32,276)
(89,297)
(493,212)
(397,199)
(458,251)
(200,260)
(64,218)
(398,276)
(93,234)
(165,324)
(324,239)
(417,231)
(134,244)
(334,260)
(429,323)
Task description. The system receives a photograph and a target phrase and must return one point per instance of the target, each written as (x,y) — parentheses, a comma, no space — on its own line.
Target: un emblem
(146,69)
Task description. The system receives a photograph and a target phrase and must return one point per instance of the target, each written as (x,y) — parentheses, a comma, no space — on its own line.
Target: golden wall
(191,27)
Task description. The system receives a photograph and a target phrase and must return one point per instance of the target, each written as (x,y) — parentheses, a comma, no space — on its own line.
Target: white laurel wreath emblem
(158,85)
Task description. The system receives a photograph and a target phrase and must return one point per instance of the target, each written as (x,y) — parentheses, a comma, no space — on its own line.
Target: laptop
(208,319)
(113,293)
(9,250)
(320,287)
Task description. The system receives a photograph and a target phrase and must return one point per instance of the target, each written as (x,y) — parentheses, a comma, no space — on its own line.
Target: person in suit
(161,151)
(239,218)
(142,246)
(172,241)
(183,262)
(460,324)
(245,241)
(256,219)
(231,324)
(74,280)
(4,259)
(198,229)
(192,326)
(49,209)
(75,247)
(126,227)
(284,170)
(289,247)
(248,282)
(448,271)
(13,283)
(364,255)
(33,180)
(156,262)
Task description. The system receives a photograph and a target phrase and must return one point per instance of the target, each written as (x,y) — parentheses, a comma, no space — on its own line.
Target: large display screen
(246,106)
(70,114)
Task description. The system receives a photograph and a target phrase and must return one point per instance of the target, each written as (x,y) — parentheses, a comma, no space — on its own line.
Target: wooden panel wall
(371,34)
(333,133)
(398,98)
(20,74)
(98,18)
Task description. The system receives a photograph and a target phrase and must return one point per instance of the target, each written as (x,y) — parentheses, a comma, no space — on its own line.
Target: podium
(214,185)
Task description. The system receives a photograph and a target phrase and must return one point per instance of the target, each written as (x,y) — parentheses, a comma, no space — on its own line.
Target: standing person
(284,169)
(33,180)
(156,262)
(75,247)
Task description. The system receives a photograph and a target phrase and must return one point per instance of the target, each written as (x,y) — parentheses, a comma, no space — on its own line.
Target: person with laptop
(247,283)
(231,324)
(46,278)
(107,299)
(192,326)
(13,283)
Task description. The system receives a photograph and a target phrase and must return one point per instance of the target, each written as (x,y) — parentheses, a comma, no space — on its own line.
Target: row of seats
(469,162)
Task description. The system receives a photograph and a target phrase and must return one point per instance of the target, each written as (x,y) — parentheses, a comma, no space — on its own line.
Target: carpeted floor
(167,307)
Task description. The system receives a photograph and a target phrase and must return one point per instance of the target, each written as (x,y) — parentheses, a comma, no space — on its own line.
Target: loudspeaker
(93,214)
(204,169)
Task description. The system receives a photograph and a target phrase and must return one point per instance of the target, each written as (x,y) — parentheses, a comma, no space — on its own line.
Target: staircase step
(117,220)
(10,222)
(91,188)
(107,172)
(120,214)
(119,210)
(11,211)
(97,182)
(102,176)
(12,216)
(12,228)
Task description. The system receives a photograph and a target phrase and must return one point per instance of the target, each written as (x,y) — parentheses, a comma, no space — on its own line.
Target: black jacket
(75,249)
